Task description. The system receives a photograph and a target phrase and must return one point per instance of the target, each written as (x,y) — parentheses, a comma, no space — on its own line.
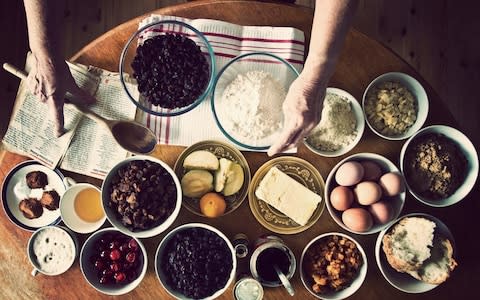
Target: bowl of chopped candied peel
(172,66)
(333,266)
(395,106)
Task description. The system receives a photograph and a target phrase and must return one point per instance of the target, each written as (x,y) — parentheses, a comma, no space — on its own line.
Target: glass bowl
(228,115)
(130,51)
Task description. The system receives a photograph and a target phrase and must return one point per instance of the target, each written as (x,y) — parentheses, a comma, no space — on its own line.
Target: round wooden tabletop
(361,60)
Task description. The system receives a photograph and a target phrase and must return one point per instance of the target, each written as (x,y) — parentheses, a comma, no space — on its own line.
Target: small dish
(90,250)
(163,28)
(354,285)
(278,68)
(300,170)
(173,235)
(113,215)
(15,189)
(220,150)
(417,91)
(52,250)
(69,215)
(402,281)
(467,149)
(360,126)
(385,166)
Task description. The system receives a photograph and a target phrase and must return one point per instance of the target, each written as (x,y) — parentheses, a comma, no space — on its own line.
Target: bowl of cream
(52,250)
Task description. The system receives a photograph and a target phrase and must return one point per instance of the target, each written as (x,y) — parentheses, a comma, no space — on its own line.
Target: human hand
(49,80)
(301,110)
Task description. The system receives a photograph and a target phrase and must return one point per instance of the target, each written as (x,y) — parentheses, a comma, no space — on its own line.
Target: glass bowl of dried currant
(112,262)
(167,68)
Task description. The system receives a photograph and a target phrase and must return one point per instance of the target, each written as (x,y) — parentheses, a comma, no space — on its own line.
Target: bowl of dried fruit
(333,266)
(112,262)
(395,106)
(167,68)
(440,165)
(195,261)
(214,178)
(141,196)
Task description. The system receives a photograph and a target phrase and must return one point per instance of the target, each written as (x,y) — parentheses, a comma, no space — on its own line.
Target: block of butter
(288,196)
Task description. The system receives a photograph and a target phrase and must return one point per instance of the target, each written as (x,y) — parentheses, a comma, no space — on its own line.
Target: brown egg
(391,183)
(341,198)
(357,219)
(382,211)
(372,171)
(367,192)
(349,173)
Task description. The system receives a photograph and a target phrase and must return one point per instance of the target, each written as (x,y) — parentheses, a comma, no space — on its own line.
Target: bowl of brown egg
(395,106)
(364,193)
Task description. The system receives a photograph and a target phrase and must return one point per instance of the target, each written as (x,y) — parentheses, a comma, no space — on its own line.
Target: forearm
(330,25)
(44,28)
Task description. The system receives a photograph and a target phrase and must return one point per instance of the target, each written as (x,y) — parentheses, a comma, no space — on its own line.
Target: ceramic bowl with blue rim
(15,189)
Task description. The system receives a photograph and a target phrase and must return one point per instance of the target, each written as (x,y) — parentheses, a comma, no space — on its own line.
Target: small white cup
(67,209)
(52,250)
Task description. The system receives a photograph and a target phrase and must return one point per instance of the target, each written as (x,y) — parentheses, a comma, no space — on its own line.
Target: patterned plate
(220,149)
(300,170)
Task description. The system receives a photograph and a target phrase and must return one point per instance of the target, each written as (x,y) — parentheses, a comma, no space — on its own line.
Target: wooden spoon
(130,135)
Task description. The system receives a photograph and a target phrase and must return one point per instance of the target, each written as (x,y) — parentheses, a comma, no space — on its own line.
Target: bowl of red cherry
(112,262)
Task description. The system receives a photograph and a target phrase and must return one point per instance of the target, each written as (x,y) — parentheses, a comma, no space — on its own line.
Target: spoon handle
(286,283)
(85,110)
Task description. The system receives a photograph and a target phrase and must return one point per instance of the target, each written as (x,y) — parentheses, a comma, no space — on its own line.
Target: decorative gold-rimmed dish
(298,169)
(220,150)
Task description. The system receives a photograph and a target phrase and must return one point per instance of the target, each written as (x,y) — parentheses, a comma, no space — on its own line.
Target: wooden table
(362,59)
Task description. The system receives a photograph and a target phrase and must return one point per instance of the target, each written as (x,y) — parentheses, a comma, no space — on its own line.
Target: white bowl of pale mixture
(52,250)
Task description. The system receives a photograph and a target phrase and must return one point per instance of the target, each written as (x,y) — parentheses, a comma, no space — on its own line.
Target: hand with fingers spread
(303,104)
(50,77)
(50,81)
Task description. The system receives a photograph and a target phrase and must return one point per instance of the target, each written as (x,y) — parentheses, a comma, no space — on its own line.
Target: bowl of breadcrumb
(341,125)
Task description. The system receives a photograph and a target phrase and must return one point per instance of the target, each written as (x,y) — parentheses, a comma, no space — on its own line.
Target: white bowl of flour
(341,126)
(247,98)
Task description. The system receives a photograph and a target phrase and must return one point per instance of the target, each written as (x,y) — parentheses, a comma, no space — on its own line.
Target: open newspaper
(87,147)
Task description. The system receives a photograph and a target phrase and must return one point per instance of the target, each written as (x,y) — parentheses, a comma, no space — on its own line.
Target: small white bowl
(114,218)
(90,274)
(356,283)
(386,166)
(403,281)
(417,91)
(161,249)
(468,150)
(63,249)
(70,217)
(360,126)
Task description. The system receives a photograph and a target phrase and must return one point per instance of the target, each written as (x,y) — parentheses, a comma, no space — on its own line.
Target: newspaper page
(93,150)
(31,129)
(87,147)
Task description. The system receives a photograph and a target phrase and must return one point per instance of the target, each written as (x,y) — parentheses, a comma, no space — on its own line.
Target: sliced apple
(196,183)
(221,174)
(234,180)
(201,159)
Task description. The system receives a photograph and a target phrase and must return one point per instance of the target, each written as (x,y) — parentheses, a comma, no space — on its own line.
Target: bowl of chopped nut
(342,256)
(341,126)
(395,106)
(141,196)
(167,68)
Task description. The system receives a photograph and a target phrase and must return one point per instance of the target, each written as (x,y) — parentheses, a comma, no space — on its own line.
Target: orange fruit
(212,205)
